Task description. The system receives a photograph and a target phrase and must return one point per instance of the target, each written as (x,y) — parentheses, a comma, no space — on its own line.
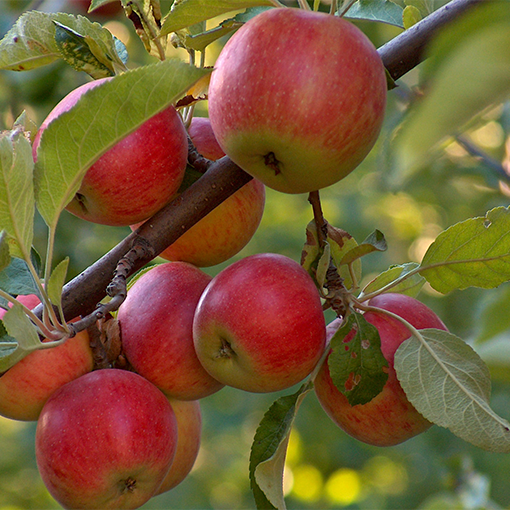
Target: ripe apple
(297,98)
(105,440)
(105,11)
(226,230)
(137,176)
(26,386)
(189,431)
(156,321)
(389,418)
(259,325)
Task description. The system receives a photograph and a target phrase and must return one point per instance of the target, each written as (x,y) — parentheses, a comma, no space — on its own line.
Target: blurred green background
(325,467)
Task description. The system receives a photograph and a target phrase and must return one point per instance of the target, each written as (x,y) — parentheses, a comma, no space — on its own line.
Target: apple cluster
(295,119)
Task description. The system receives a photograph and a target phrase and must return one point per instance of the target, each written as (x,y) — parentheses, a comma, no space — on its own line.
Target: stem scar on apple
(273,163)
(225,350)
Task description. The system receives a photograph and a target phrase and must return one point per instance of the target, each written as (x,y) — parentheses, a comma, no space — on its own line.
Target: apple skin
(297,98)
(156,322)
(389,418)
(105,440)
(259,325)
(137,176)
(189,431)
(26,386)
(226,230)
(105,11)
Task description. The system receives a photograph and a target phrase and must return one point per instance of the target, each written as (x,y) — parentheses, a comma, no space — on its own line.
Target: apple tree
(309,131)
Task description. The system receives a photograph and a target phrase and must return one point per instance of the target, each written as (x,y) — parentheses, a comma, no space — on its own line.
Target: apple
(156,322)
(137,176)
(26,386)
(105,440)
(389,418)
(297,98)
(189,431)
(226,229)
(105,11)
(259,325)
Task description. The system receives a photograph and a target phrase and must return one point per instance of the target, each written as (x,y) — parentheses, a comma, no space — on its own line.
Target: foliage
(434,194)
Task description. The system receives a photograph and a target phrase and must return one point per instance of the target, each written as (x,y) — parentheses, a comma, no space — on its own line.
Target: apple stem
(196,160)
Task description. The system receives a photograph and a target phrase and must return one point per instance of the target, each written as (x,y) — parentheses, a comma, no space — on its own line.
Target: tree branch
(223,178)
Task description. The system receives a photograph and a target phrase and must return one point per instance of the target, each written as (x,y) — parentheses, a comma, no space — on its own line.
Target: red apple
(137,176)
(26,386)
(156,321)
(189,428)
(259,325)
(226,230)
(105,440)
(105,11)
(389,418)
(297,98)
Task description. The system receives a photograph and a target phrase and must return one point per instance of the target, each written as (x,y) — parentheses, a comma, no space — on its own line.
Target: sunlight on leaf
(16,190)
(384,11)
(269,447)
(473,253)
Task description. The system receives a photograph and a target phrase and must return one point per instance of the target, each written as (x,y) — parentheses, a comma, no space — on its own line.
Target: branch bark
(223,178)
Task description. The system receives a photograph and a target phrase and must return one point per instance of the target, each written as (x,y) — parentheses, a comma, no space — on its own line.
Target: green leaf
(356,364)
(423,6)
(374,242)
(189,12)
(103,116)
(16,190)
(16,279)
(473,253)
(8,347)
(31,42)
(5,256)
(19,327)
(448,383)
(384,11)
(411,16)
(341,242)
(493,318)
(200,41)
(267,457)
(469,70)
(410,286)
(76,52)
(94,4)
(56,281)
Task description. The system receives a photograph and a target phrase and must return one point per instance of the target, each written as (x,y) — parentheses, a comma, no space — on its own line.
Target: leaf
(20,328)
(493,318)
(16,279)
(448,383)
(340,242)
(31,41)
(8,346)
(76,52)
(5,256)
(56,281)
(101,117)
(384,11)
(16,190)
(411,16)
(409,286)
(189,12)
(356,364)
(267,457)
(94,4)
(472,253)
(374,242)
(200,41)
(468,72)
